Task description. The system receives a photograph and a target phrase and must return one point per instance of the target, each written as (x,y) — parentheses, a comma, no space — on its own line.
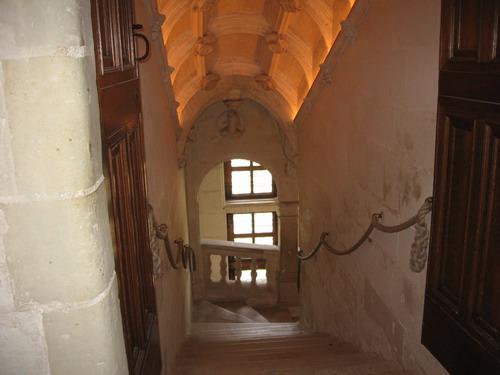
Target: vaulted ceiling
(266,50)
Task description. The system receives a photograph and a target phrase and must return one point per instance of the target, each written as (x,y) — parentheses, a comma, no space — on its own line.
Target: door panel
(123,150)
(486,302)
(458,171)
(462,304)
(467,23)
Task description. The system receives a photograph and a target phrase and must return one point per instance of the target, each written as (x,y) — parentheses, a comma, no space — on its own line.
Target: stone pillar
(288,221)
(59,308)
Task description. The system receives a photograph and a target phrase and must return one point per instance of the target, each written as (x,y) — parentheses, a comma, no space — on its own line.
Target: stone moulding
(276,43)
(57,196)
(156,21)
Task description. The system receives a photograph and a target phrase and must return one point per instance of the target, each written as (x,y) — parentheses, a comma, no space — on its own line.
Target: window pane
(240,163)
(244,239)
(255,164)
(264,240)
(264,222)
(242,223)
(241,182)
(262,182)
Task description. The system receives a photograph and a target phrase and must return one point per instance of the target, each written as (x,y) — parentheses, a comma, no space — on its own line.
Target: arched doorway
(238,203)
(260,142)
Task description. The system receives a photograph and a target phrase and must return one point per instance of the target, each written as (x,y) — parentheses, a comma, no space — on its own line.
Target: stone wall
(165,183)
(59,309)
(366,144)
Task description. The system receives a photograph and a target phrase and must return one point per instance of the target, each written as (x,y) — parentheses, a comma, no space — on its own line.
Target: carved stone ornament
(155,245)
(156,26)
(167,72)
(276,43)
(265,82)
(204,5)
(229,122)
(326,73)
(205,45)
(348,29)
(210,81)
(290,5)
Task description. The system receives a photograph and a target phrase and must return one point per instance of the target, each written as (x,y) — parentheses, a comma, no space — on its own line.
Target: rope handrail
(185,253)
(418,255)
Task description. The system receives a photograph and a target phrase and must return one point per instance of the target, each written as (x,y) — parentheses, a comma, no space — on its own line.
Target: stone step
(274,348)
(251,313)
(205,311)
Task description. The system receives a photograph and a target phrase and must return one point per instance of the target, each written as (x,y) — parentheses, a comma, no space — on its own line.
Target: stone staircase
(229,344)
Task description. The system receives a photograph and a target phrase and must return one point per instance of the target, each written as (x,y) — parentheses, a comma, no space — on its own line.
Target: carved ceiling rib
(269,50)
(180,50)
(236,87)
(277,44)
(303,53)
(236,66)
(239,23)
(204,42)
(288,7)
(173,10)
(256,24)
(321,14)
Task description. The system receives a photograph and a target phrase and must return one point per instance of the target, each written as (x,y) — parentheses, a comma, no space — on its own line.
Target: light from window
(259,228)
(262,182)
(241,182)
(263,222)
(242,223)
(245,179)
(240,163)
(264,240)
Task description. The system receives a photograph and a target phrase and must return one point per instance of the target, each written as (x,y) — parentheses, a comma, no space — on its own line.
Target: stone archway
(261,141)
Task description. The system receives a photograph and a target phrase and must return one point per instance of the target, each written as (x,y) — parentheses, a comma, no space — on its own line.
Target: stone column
(288,221)
(59,308)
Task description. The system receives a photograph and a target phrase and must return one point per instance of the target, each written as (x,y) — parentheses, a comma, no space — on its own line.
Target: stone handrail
(237,271)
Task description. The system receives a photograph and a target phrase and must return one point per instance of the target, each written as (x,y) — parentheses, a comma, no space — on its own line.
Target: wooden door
(462,304)
(123,154)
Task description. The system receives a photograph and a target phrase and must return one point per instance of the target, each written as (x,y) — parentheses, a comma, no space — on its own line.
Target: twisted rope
(185,253)
(418,254)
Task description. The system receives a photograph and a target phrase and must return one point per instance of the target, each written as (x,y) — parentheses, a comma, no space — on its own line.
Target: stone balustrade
(233,271)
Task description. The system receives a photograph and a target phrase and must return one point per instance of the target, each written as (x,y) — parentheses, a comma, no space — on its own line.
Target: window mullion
(253,227)
(251,182)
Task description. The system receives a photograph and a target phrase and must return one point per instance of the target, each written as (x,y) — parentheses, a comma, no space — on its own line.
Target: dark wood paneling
(123,150)
(462,304)
(486,299)
(466,29)
(458,170)
(469,50)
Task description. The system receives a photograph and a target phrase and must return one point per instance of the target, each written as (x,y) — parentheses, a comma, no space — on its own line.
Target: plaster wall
(165,184)
(59,309)
(262,141)
(366,145)
(214,207)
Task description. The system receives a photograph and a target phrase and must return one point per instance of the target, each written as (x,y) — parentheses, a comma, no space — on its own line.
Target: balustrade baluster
(223,269)
(254,272)
(237,261)
(245,264)
(271,273)
(208,269)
